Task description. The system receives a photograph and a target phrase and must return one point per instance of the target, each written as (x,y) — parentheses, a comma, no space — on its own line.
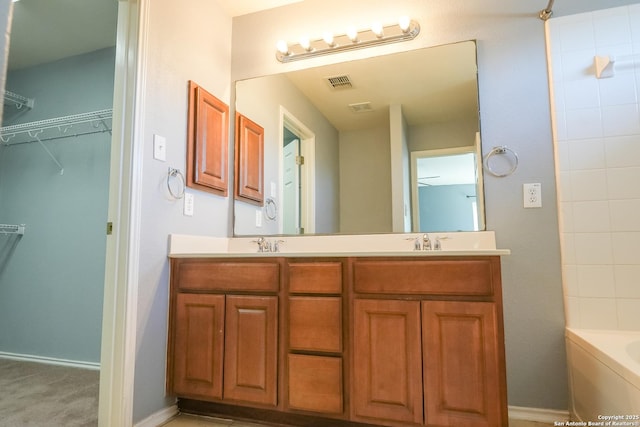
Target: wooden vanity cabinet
(224,322)
(345,341)
(428,342)
(315,344)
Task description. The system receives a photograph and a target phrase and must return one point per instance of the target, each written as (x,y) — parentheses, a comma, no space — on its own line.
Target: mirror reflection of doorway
(297,177)
(291,185)
(445,189)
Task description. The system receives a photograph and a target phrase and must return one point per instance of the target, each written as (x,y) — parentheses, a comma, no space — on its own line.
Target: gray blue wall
(51,286)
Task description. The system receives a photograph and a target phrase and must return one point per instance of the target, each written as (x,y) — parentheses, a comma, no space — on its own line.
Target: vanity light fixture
(405,29)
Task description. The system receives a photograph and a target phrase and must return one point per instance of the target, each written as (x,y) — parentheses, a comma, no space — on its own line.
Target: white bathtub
(604,375)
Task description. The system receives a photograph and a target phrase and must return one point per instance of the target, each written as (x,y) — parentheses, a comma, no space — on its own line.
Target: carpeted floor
(43,395)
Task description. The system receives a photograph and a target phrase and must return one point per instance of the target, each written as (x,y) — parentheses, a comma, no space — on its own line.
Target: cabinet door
(207,141)
(198,346)
(251,346)
(249,172)
(461,364)
(387,367)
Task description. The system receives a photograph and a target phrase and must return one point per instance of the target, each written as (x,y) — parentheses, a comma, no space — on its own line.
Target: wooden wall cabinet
(207,141)
(249,161)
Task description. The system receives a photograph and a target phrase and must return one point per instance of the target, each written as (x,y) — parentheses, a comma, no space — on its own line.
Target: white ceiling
(435,84)
(47,30)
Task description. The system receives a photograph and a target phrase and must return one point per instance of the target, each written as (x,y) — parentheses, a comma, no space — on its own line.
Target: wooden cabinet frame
(249,161)
(207,142)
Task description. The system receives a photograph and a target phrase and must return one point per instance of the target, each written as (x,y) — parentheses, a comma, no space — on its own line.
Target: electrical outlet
(532,195)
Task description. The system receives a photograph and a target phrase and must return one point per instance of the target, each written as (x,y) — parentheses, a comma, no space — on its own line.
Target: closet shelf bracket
(19,102)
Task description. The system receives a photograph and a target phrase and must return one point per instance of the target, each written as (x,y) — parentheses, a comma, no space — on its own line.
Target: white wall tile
(634,22)
(627,281)
(587,154)
(589,185)
(593,248)
(622,151)
(596,281)
(620,120)
(572,311)
(576,33)
(622,183)
(562,155)
(570,280)
(591,217)
(611,27)
(626,247)
(625,215)
(598,313)
(560,124)
(565,216)
(577,65)
(618,90)
(629,314)
(582,93)
(568,246)
(584,123)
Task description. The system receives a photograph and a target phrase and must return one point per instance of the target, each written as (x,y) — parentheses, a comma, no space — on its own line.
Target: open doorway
(446,190)
(55,159)
(297,176)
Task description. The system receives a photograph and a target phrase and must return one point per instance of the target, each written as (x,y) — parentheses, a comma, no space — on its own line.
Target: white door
(291,188)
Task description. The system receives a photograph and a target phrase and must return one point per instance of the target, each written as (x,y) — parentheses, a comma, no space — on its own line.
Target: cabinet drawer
(234,276)
(315,277)
(315,383)
(315,323)
(474,277)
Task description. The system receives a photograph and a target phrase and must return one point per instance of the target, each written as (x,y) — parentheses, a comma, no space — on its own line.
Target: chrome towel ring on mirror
(502,150)
(172,174)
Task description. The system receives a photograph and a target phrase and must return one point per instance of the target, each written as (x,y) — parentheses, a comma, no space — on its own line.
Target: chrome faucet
(265,245)
(426,243)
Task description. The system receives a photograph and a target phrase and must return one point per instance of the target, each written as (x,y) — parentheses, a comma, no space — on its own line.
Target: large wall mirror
(379,145)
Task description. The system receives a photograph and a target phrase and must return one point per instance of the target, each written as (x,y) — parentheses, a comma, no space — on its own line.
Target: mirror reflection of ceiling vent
(361,107)
(340,82)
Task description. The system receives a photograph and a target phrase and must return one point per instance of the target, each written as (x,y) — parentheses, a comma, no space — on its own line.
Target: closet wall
(52,281)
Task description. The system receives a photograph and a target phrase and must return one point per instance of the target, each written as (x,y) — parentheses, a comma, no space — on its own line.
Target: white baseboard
(538,415)
(159,418)
(50,360)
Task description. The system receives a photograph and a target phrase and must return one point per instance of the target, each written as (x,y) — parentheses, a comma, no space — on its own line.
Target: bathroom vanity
(406,338)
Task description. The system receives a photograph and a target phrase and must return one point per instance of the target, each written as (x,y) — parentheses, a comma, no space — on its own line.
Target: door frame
(308,175)
(117,361)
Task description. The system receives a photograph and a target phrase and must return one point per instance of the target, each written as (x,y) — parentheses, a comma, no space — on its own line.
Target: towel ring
(270,208)
(173,173)
(502,150)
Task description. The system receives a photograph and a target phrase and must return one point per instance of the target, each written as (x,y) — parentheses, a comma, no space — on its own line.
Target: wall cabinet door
(249,159)
(207,141)
(461,364)
(251,349)
(198,346)
(387,364)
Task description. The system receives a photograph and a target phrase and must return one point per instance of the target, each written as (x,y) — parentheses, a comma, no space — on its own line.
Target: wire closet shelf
(12,229)
(59,127)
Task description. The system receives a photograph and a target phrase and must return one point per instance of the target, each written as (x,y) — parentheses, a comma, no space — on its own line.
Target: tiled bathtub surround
(597,143)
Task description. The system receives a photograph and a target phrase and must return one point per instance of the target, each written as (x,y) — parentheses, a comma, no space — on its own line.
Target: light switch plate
(159,148)
(258,218)
(189,201)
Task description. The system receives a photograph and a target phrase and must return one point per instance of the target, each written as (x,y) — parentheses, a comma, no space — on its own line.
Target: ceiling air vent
(340,82)
(361,107)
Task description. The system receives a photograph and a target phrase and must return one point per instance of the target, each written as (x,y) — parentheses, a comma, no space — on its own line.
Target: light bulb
(282,47)
(328,39)
(404,22)
(352,33)
(377,29)
(305,43)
